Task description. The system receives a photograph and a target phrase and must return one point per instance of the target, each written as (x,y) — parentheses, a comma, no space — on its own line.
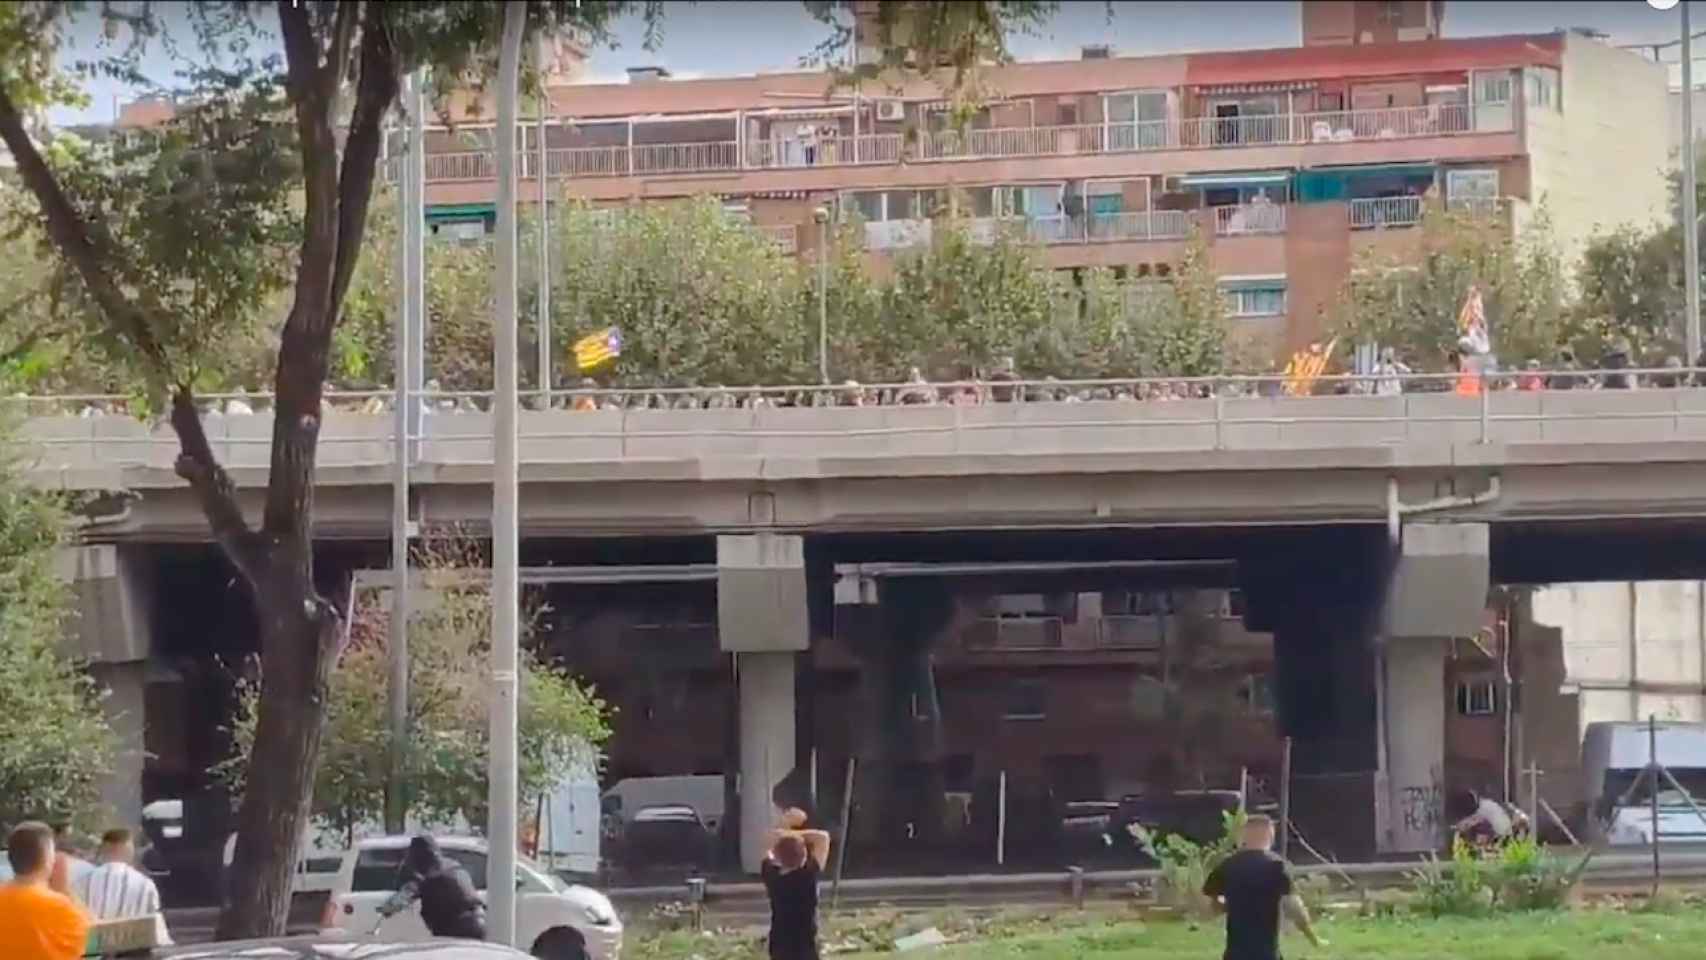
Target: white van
(1614,755)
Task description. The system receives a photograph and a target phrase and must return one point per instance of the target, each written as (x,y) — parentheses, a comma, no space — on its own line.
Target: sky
(722,37)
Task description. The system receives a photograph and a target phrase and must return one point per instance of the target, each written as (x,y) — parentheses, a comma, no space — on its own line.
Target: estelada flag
(1305,367)
(596,349)
(1472,322)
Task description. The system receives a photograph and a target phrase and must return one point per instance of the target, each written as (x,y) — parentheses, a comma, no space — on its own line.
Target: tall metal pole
(822,217)
(397,638)
(416,290)
(506,554)
(543,335)
(1690,218)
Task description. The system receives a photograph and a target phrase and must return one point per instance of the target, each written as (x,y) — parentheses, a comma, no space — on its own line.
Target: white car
(553,920)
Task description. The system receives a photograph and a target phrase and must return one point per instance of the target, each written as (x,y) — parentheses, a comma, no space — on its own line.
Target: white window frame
(1478,697)
(1233,289)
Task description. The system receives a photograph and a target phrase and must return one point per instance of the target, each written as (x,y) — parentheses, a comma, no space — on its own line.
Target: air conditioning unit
(891,110)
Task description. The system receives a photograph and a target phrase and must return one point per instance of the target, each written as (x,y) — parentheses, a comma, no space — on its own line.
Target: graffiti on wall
(1421,808)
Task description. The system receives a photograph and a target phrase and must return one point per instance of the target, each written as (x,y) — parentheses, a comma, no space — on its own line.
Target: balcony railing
(1480,207)
(1196,133)
(1371,212)
(1052,229)
(1246,219)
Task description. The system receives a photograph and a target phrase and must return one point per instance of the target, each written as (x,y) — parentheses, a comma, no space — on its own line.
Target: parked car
(335,948)
(553,919)
(671,834)
(1195,815)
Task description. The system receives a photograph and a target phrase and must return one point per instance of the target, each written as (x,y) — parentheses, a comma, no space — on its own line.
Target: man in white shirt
(1490,822)
(115,890)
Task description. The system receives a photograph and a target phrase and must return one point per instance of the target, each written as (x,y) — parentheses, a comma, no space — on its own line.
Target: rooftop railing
(1192,133)
(851,420)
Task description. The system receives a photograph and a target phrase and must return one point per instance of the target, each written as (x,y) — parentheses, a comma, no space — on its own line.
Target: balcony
(1196,133)
(1249,219)
(1369,213)
(1050,230)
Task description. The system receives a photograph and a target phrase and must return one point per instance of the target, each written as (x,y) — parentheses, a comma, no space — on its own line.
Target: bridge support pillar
(110,633)
(1438,591)
(762,618)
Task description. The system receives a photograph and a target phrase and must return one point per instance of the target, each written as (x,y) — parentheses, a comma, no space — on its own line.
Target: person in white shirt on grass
(115,890)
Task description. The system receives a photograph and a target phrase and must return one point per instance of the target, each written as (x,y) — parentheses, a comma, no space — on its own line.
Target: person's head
(1258,832)
(789,852)
(117,846)
(423,857)
(30,851)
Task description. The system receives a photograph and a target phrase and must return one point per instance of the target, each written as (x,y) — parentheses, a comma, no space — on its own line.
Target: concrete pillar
(764,620)
(111,634)
(125,708)
(766,744)
(1413,681)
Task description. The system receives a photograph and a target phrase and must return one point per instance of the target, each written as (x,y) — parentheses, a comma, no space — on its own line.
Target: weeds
(1523,875)
(1186,864)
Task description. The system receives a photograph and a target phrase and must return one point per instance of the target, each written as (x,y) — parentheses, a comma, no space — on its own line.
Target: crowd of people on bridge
(1388,376)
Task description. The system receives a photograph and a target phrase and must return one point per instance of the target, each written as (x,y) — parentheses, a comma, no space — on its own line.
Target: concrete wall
(1605,652)
(1601,161)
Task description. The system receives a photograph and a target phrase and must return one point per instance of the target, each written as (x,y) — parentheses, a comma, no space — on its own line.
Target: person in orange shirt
(36,922)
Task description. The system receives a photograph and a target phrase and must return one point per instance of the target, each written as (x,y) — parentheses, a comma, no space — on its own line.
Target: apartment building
(1289,160)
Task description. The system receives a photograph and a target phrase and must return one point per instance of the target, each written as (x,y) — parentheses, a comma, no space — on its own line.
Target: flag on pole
(1472,323)
(1306,366)
(596,349)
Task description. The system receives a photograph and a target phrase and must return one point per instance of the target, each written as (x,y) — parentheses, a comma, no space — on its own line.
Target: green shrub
(1457,888)
(1528,877)
(1186,864)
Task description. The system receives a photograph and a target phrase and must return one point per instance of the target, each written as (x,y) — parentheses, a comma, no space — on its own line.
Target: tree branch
(213,487)
(376,91)
(69,233)
(337,59)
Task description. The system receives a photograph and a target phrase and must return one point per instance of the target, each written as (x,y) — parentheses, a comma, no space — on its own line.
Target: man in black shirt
(797,858)
(1252,886)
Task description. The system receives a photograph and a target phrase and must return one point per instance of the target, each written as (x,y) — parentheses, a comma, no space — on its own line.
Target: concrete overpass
(1418,482)
(1560,455)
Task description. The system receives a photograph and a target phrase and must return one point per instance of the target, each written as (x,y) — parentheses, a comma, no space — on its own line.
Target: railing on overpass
(902,420)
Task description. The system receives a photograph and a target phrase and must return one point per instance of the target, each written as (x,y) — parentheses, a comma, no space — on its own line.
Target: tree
(168,247)
(701,297)
(1185,334)
(55,744)
(1629,284)
(561,723)
(1396,301)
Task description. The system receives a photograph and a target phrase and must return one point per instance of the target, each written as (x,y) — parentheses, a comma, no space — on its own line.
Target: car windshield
(551,879)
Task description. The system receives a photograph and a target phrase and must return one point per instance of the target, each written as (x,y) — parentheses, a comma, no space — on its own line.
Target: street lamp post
(821,215)
(1690,229)
(506,555)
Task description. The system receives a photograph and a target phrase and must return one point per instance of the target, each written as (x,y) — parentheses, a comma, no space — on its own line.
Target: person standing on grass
(36,921)
(1253,888)
(791,871)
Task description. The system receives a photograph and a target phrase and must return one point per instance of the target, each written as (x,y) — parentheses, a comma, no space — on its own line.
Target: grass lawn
(1585,934)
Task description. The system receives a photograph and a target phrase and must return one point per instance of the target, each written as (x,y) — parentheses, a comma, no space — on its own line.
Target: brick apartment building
(1290,160)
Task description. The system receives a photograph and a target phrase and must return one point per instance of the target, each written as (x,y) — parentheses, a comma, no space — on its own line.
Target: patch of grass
(1589,934)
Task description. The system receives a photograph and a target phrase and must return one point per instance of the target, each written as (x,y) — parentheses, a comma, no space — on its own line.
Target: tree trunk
(298,650)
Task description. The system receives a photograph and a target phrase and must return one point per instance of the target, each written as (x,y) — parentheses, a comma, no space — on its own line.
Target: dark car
(1196,815)
(328,948)
(666,835)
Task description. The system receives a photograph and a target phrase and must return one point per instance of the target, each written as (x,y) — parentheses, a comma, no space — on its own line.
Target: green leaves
(55,743)
(561,722)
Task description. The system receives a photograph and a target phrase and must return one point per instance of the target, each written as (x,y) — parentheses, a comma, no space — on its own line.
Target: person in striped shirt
(115,890)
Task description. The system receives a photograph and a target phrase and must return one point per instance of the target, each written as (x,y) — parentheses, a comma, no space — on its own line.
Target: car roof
(326,948)
(399,842)
(666,811)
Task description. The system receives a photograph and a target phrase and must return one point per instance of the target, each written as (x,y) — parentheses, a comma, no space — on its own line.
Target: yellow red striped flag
(596,349)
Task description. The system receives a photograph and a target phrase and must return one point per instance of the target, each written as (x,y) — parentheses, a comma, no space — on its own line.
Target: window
(1026,700)
(472,861)
(1541,88)
(1493,88)
(376,870)
(1257,693)
(1255,299)
(1477,698)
